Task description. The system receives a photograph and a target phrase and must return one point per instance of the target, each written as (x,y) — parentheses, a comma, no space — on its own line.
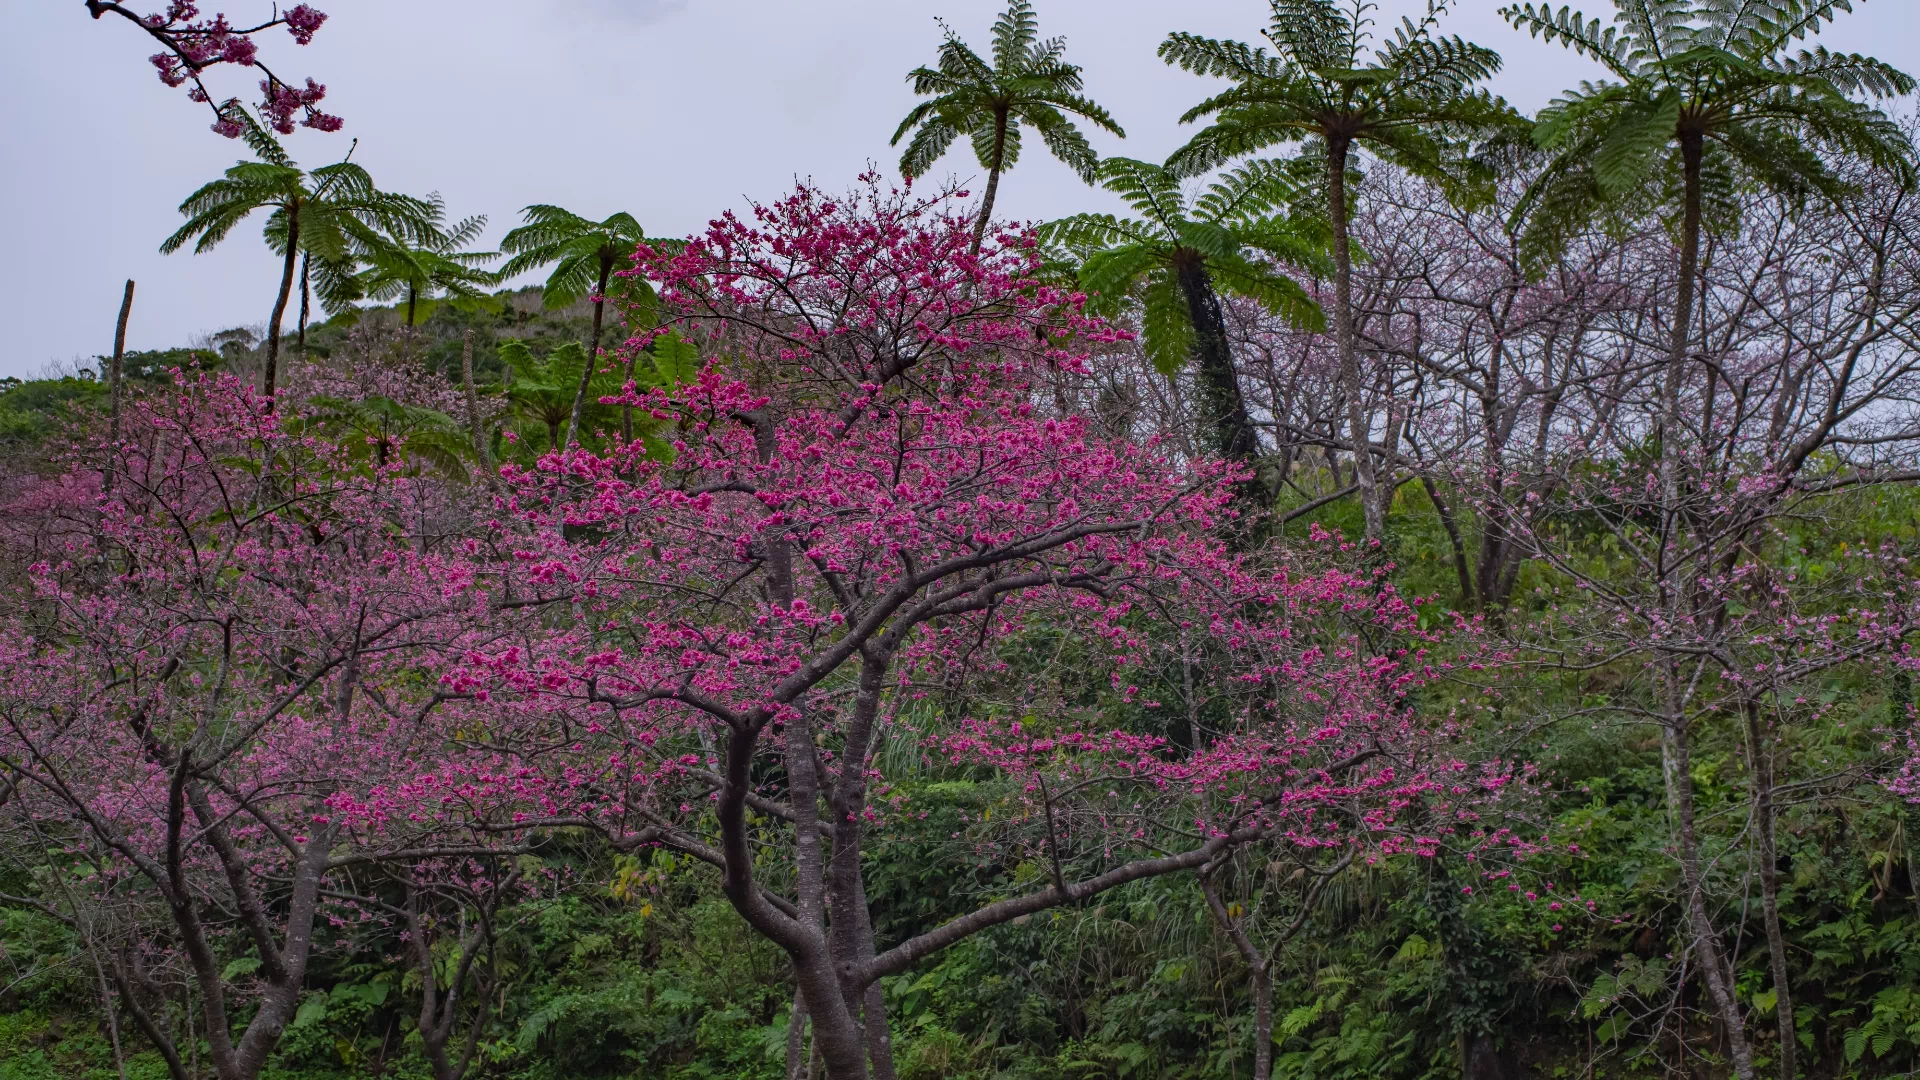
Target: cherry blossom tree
(866,499)
(191,45)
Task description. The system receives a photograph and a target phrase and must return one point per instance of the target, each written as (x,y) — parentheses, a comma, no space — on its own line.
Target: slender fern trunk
(1692,149)
(306,293)
(1676,727)
(1359,427)
(116,372)
(271,374)
(993,180)
(593,345)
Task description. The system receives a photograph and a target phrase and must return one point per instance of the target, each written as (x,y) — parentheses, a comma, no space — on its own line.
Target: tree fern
(1171,263)
(1027,84)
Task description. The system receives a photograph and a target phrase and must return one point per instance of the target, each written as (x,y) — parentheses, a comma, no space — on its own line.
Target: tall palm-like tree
(1707,93)
(1176,259)
(336,247)
(344,217)
(1705,98)
(1412,100)
(583,254)
(326,213)
(1027,83)
(420,266)
(544,391)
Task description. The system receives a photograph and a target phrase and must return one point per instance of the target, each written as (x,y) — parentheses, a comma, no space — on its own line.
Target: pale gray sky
(671,109)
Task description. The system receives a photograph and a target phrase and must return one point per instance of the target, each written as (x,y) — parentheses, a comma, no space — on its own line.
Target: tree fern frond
(1219,59)
(1242,131)
(1850,73)
(1014,33)
(1166,327)
(1078,106)
(1634,142)
(1150,189)
(1109,275)
(1278,293)
(1609,46)
(929,143)
(1084,232)
(1255,189)
(1064,141)
(1317,34)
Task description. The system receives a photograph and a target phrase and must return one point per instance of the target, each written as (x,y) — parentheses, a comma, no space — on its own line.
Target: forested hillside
(1427,593)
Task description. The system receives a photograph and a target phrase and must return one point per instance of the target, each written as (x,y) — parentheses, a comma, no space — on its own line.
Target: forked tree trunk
(1259,972)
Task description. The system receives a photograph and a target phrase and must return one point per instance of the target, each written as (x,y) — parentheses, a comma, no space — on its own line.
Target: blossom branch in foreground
(192,45)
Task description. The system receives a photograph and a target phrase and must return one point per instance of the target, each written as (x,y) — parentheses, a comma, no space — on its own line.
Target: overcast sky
(673,110)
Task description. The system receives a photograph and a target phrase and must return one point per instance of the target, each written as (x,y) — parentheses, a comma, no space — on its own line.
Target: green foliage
(420,266)
(341,215)
(33,410)
(378,432)
(1236,233)
(581,252)
(1414,100)
(542,390)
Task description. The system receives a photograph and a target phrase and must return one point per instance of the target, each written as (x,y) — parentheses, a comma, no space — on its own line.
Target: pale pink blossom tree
(213,665)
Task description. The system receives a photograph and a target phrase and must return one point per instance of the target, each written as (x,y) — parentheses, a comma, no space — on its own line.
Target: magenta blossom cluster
(192,44)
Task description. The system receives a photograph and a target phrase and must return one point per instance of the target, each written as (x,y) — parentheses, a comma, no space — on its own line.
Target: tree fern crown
(1728,81)
(1240,230)
(1026,84)
(1414,98)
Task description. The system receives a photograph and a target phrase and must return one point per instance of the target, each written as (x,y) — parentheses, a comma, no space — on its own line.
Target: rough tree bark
(116,372)
(1229,425)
